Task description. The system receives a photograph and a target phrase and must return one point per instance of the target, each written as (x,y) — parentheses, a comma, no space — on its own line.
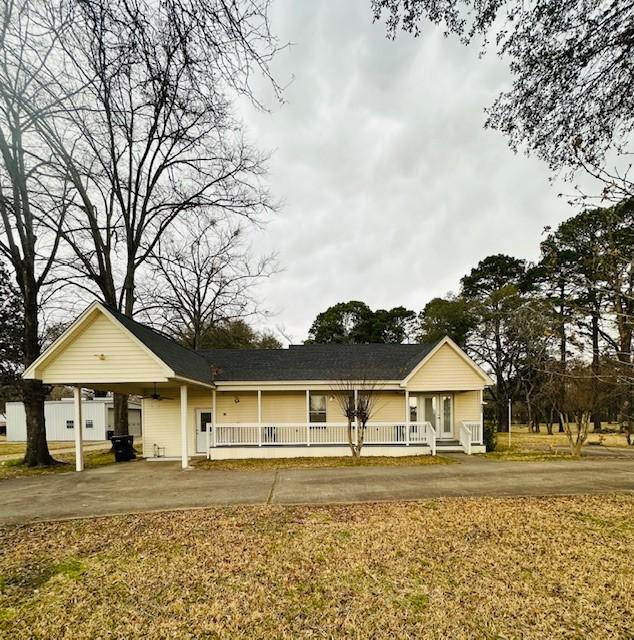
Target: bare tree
(202,277)
(162,143)
(357,400)
(581,398)
(143,126)
(34,188)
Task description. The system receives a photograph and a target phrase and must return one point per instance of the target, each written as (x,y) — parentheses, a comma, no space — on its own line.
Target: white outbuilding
(97,416)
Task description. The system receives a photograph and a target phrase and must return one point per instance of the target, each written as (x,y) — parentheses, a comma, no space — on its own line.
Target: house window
(205,419)
(317,406)
(413,409)
(89,424)
(70,424)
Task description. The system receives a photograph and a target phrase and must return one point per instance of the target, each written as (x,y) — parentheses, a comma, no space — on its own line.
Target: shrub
(490,435)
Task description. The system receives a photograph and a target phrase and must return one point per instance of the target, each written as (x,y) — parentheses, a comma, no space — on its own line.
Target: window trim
(313,413)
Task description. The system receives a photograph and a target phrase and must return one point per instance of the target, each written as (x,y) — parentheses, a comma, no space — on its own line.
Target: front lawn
(273,464)
(526,445)
(451,568)
(14,468)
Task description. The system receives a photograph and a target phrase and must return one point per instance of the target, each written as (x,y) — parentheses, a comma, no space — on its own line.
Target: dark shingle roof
(318,362)
(298,362)
(184,362)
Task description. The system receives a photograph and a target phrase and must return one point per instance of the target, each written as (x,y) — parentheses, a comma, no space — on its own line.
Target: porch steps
(449,446)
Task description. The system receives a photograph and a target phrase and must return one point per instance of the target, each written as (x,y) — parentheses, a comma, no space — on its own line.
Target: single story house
(230,403)
(98,419)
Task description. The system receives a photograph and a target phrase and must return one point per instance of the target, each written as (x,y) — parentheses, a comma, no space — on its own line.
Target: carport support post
(79,450)
(184,443)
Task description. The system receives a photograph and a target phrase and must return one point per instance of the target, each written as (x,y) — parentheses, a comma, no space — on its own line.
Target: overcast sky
(392,188)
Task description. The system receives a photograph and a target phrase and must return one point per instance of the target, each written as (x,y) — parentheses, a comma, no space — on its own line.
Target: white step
(449,448)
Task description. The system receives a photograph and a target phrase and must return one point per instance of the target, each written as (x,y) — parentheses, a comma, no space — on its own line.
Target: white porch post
(356,419)
(481,416)
(259,417)
(184,442)
(79,447)
(407,417)
(213,418)
(308,417)
(208,432)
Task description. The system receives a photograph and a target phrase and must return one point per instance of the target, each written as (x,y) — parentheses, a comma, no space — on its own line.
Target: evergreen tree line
(547,332)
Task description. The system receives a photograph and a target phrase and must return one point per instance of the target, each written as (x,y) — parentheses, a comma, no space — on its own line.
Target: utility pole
(510,414)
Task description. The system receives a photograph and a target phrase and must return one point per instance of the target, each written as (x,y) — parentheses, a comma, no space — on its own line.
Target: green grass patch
(273,464)
(66,463)
(10,448)
(72,569)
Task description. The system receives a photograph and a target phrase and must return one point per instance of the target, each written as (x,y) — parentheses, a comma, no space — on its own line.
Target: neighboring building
(271,402)
(60,419)
(3,425)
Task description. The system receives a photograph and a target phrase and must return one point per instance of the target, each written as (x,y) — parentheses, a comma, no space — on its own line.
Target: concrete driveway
(151,486)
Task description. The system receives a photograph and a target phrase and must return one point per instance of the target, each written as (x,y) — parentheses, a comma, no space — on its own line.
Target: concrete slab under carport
(156,486)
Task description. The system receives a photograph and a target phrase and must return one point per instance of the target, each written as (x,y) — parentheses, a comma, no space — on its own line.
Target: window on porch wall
(413,409)
(317,407)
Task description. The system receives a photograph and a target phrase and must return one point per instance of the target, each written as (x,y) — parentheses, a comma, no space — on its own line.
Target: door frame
(440,417)
(199,432)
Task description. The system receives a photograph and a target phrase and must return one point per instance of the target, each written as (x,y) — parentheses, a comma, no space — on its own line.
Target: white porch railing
(322,433)
(465,438)
(476,431)
(470,434)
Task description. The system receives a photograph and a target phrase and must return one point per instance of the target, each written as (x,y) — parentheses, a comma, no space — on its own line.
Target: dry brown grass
(526,445)
(273,464)
(451,568)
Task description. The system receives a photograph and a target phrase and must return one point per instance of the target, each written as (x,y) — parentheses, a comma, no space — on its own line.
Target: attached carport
(107,351)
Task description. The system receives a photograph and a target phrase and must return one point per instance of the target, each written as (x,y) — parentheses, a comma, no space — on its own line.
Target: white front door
(203,422)
(437,409)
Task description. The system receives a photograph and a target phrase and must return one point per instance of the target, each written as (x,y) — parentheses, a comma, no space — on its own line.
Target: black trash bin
(123,447)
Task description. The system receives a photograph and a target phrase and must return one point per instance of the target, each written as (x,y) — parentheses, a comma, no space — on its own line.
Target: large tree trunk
(33,391)
(502,411)
(37,453)
(563,346)
(120,414)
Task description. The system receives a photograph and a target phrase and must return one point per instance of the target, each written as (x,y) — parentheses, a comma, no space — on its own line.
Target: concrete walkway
(151,486)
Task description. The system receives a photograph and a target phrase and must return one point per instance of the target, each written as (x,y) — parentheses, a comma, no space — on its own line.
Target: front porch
(272,440)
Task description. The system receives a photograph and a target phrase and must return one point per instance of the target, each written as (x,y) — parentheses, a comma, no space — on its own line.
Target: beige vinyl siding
(390,406)
(446,370)
(162,420)
(284,406)
(334,412)
(466,408)
(161,426)
(124,359)
(230,411)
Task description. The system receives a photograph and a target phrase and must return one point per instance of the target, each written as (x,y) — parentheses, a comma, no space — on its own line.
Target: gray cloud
(392,189)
